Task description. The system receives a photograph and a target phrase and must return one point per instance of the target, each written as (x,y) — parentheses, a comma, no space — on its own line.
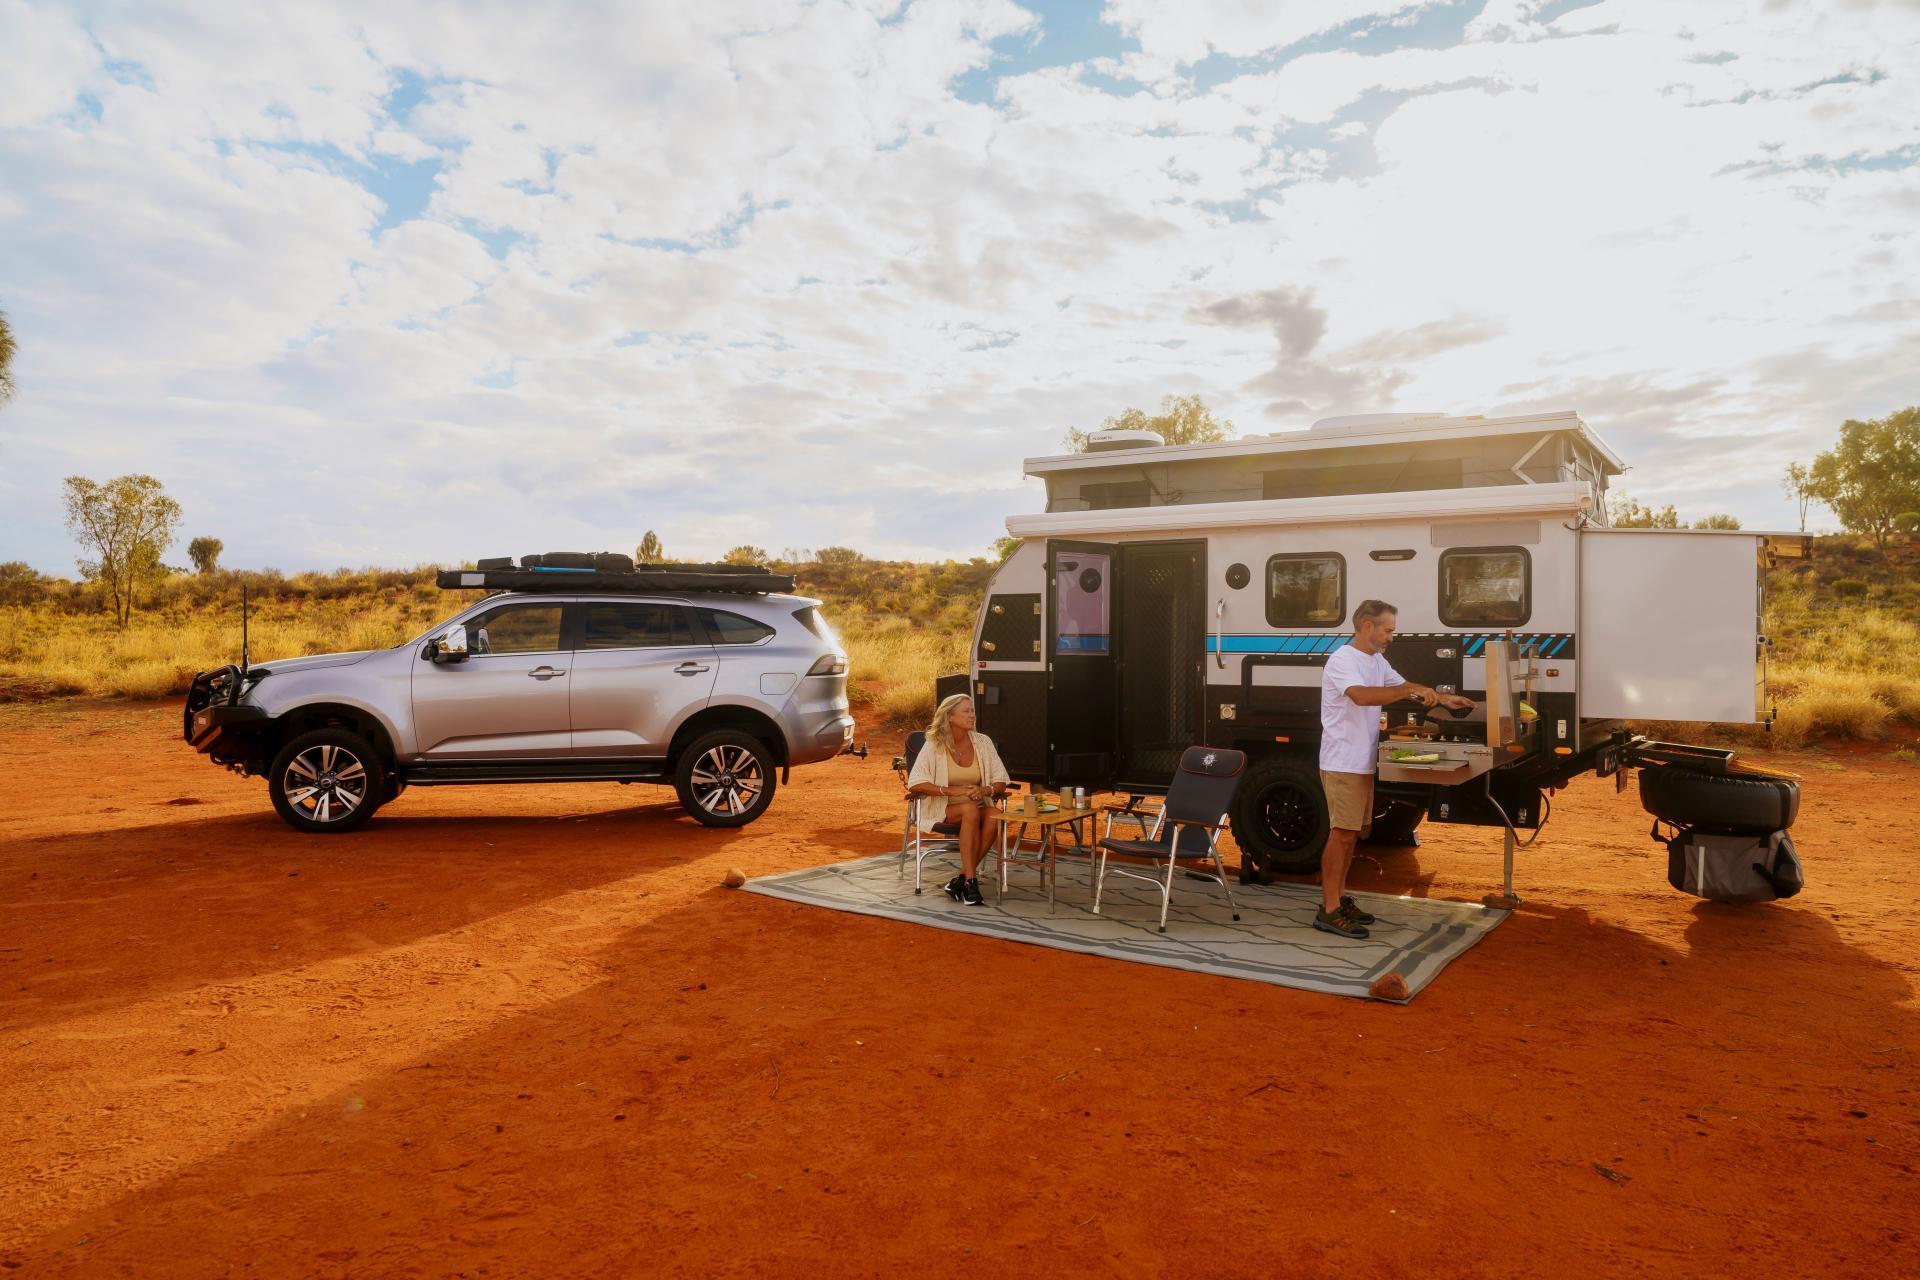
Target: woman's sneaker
(1338,922)
(956,888)
(970,894)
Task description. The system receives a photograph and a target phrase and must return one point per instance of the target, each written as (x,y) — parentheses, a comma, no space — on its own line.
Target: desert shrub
(1852,588)
(20,583)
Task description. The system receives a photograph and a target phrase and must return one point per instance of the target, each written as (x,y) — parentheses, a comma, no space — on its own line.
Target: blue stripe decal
(1560,644)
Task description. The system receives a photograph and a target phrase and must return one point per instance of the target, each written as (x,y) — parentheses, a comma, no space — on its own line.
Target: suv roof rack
(745,579)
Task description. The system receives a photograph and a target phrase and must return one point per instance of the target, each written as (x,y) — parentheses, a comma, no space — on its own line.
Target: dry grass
(1846,663)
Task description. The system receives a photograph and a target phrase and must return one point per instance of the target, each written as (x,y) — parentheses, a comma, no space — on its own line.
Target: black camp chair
(1187,828)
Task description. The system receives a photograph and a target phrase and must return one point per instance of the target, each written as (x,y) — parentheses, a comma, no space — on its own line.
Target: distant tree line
(1870,479)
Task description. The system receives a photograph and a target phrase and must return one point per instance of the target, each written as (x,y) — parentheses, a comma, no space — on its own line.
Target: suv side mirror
(452,645)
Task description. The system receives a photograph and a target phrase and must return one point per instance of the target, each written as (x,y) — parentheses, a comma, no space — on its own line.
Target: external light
(833,664)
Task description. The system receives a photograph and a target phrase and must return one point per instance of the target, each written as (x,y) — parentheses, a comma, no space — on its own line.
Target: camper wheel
(1280,814)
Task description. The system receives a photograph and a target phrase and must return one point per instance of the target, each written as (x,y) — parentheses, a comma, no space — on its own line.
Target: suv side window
(634,626)
(731,628)
(517,628)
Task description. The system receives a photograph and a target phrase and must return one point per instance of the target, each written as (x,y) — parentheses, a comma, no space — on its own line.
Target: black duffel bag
(1732,868)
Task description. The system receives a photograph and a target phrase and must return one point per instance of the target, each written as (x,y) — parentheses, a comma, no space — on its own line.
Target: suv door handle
(546,673)
(692,668)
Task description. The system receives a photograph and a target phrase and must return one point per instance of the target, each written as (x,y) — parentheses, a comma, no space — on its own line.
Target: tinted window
(1082,591)
(634,626)
(516,628)
(731,628)
(1485,587)
(1307,591)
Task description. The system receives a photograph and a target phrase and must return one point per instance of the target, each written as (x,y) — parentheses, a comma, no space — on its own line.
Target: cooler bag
(1743,868)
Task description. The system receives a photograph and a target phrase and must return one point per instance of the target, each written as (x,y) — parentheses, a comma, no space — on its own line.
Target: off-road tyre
(1731,804)
(1279,815)
(725,778)
(346,772)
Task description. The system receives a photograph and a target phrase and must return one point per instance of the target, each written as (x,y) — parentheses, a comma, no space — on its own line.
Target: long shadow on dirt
(171,907)
(762,1086)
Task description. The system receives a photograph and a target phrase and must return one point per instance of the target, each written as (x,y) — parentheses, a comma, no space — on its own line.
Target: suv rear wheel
(725,778)
(326,781)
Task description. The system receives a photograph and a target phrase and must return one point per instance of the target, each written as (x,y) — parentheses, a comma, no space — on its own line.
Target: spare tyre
(1733,804)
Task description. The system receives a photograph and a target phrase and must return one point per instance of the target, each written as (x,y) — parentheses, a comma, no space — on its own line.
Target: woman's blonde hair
(940,730)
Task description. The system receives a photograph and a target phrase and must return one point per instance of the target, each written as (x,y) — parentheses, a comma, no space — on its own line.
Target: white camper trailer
(1175,595)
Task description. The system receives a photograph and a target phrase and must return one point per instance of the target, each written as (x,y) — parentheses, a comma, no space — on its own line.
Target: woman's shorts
(1349,800)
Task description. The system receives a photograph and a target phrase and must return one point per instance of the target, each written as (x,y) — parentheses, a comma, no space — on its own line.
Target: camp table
(1046,850)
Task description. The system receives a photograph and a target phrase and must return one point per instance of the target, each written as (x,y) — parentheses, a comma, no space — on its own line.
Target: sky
(393,282)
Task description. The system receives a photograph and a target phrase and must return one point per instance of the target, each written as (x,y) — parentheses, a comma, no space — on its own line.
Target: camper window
(1082,585)
(1307,590)
(1485,586)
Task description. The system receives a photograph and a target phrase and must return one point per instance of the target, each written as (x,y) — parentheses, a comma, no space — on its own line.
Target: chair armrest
(1195,822)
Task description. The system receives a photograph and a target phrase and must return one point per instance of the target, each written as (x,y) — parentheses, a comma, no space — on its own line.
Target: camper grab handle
(1219,641)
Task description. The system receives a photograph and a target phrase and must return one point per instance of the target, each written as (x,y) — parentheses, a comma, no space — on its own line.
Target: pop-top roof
(1358,431)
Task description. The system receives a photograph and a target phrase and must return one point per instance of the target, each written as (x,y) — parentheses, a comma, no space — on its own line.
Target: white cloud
(754,273)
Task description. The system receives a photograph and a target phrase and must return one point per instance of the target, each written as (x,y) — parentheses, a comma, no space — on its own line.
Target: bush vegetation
(1846,626)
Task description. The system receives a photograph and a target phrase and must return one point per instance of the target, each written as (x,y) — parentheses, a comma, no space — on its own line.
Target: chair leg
(1166,890)
(1099,880)
(1221,869)
(906,843)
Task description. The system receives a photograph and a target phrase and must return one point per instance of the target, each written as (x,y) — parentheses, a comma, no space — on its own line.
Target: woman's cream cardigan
(931,766)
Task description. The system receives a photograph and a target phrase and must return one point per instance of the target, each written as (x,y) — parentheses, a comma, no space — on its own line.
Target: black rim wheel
(1288,813)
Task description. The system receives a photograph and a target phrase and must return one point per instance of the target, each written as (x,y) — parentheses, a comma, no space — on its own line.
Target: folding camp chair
(945,836)
(1187,828)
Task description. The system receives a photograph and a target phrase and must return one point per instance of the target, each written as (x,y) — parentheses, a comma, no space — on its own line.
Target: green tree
(20,583)
(1718,520)
(128,523)
(1181,420)
(746,555)
(1003,548)
(1625,513)
(205,554)
(650,551)
(1872,475)
(1797,480)
(7,348)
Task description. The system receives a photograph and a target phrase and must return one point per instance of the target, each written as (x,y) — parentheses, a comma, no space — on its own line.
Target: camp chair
(1187,828)
(915,843)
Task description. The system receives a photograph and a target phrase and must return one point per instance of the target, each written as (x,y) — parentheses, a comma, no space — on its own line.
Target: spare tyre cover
(1740,804)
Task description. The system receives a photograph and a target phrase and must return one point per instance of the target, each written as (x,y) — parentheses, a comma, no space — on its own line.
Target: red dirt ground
(523,1032)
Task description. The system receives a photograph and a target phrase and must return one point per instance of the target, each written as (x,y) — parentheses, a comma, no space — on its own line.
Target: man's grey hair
(1371,609)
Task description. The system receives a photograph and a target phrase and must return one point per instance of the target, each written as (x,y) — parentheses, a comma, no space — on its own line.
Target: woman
(957,775)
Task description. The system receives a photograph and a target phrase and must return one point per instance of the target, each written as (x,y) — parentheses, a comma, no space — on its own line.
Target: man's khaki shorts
(1349,800)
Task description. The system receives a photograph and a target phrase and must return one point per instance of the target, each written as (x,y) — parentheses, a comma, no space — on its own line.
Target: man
(1357,682)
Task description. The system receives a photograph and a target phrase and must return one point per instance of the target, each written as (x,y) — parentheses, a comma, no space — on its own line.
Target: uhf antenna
(243,627)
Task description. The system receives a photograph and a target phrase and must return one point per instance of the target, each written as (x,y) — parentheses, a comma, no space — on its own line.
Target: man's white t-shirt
(1349,732)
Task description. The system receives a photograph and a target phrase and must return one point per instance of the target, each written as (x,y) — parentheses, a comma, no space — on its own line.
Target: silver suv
(716,692)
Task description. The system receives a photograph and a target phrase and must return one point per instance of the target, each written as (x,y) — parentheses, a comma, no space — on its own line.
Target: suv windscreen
(635,626)
(516,628)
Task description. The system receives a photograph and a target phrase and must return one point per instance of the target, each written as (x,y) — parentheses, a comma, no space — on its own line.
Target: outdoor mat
(1273,941)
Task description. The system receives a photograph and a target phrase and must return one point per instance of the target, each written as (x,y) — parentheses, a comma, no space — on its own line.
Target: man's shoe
(1338,922)
(1350,908)
(956,888)
(971,894)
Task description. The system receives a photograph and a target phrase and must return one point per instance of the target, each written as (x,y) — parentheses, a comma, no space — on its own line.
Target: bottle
(1079,797)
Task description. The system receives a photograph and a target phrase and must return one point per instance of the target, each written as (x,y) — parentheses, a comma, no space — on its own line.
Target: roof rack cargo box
(743,579)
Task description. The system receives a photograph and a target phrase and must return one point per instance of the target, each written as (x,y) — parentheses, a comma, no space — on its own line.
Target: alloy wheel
(326,783)
(727,780)
(1289,814)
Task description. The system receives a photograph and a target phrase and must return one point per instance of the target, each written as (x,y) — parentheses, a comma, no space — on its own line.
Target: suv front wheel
(725,778)
(326,781)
